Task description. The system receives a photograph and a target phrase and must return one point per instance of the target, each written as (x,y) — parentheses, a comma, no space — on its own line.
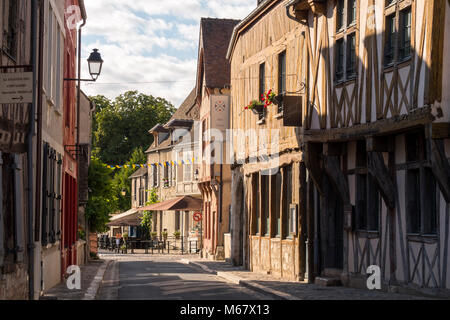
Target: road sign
(16,87)
(197,217)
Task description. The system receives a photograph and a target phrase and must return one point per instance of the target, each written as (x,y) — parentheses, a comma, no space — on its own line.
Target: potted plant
(166,182)
(177,234)
(256,106)
(124,249)
(153,235)
(164,234)
(125,236)
(271,97)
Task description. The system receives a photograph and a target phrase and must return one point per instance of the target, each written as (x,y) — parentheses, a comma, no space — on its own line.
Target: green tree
(122,125)
(102,200)
(147,217)
(121,181)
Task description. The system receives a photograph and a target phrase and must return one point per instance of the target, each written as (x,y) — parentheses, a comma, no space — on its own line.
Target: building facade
(372,126)
(213,97)
(15,40)
(267,225)
(171,168)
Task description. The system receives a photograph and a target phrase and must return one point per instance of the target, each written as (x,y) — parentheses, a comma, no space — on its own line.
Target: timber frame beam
(338,178)
(380,172)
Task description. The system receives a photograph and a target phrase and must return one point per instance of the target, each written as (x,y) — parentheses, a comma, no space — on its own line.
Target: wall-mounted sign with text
(16,87)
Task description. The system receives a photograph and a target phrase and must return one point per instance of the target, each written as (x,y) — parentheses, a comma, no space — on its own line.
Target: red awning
(184,203)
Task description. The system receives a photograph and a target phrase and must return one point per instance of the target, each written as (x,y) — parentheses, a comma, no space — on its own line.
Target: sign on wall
(16,96)
(220,112)
(16,87)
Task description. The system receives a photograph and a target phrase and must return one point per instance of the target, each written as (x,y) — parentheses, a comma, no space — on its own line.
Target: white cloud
(150,41)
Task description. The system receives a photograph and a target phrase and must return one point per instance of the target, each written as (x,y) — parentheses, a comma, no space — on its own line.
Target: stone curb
(242,282)
(91,292)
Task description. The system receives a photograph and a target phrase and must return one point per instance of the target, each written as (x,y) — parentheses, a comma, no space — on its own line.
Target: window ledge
(423,238)
(368,234)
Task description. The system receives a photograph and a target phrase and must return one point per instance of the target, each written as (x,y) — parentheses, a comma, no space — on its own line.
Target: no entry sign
(197,217)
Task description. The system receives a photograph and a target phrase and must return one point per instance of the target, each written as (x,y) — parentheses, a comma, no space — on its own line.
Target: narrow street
(166,278)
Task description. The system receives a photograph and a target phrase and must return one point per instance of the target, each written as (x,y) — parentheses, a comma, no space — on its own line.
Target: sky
(150,45)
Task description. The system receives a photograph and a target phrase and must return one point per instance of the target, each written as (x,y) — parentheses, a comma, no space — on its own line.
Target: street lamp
(95,62)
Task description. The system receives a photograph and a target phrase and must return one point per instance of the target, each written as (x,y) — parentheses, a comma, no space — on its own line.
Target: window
(390,40)
(51,195)
(166,178)
(256,212)
(340,15)
(155,179)
(281,77)
(405,34)
(345,46)
(54,51)
(351,12)
(288,222)
(421,188)
(10,27)
(351,55)
(187,172)
(265,210)
(276,202)
(367,195)
(397,45)
(339,59)
(142,191)
(262,85)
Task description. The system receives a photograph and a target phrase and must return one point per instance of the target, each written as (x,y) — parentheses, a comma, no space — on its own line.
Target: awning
(184,203)
(131,218)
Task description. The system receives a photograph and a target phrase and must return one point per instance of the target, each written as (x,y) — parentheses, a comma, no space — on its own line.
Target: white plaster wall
(51,259)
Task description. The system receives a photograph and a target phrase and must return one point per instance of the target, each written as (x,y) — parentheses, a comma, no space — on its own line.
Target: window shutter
(2,231)
(44,226)
(52,195)
(58,198)
(18,206)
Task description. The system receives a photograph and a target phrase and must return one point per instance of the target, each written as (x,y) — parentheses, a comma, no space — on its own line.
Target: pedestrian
(118,237)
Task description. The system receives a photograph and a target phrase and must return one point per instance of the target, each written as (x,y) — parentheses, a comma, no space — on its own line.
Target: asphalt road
(165,279)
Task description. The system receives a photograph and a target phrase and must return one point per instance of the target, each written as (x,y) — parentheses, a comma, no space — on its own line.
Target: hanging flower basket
(256,106)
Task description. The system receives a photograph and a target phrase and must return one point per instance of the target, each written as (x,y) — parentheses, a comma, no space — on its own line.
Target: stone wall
(14,285)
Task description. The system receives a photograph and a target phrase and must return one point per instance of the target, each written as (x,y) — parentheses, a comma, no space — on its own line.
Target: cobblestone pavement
(88,274)
(298,290)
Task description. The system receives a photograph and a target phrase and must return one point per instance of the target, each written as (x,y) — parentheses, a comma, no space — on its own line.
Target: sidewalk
(91,277)
(286,290)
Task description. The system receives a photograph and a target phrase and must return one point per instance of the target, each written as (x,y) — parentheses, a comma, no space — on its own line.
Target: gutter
(86,224)
(31,133)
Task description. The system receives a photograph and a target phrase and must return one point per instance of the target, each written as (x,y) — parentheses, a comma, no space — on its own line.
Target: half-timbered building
(372,126)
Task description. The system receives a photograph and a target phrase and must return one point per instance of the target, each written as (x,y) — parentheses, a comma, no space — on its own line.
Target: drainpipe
(86,224)
(288,12)
(30,173)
